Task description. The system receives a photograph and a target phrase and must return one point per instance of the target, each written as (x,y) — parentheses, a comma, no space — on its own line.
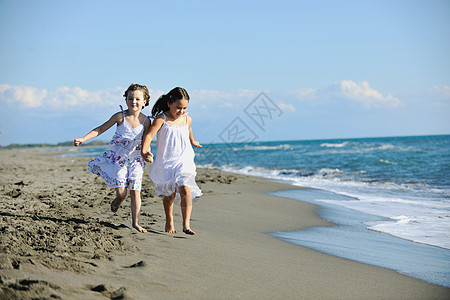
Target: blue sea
(389,197)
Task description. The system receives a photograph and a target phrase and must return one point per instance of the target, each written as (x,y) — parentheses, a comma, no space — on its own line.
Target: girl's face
(135,100)
(178,108)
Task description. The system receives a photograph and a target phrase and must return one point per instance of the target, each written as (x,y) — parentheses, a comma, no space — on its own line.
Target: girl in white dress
(121,164)
(173,172)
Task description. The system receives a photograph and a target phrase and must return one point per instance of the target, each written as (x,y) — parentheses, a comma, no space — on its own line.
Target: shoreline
(351,239)
(59,238)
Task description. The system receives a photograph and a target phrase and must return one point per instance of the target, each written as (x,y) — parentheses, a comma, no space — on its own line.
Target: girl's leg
(136,210)
(186,209)
(121,193)
(168,209)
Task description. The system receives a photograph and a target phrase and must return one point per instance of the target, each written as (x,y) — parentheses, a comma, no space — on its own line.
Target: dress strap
(123,112)
(143,123)
(148,117)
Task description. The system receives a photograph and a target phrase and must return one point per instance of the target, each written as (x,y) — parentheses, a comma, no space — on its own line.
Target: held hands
(147,156)
(78,142)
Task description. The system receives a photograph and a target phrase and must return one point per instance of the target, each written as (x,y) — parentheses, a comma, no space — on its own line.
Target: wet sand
(59,240)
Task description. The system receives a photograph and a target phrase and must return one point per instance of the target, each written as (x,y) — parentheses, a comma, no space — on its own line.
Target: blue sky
(334,69)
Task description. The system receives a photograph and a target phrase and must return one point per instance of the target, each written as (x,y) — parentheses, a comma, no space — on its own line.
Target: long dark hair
(161,104)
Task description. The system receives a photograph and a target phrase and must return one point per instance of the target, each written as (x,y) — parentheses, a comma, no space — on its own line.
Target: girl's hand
(77,142)
(147,156)
(196,144)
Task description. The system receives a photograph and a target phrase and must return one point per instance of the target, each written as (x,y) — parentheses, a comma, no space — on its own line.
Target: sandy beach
(59,240)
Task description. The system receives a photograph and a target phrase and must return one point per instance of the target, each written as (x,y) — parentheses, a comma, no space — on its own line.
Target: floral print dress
(121,164)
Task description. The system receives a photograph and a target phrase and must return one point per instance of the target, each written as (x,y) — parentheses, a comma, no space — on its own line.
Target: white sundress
(174,163)
(121,164)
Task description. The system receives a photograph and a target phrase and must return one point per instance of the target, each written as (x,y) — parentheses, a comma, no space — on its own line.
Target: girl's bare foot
(169,227)
(115,204)
(189,231)
(139,228)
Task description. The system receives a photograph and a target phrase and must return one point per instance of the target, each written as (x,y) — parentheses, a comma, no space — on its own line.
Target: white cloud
(286,107)
(303,94)
(68,98)
(361,93)
(365,95)
(23,95)
(440,91)
(64,97)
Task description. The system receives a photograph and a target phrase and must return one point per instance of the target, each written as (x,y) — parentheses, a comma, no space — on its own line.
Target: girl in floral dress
(173,172)
(121,164)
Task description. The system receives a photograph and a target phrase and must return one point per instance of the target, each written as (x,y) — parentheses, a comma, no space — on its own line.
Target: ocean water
(405,180)
(389,196)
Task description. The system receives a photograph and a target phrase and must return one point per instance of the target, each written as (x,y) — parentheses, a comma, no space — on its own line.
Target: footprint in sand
(14,193)
(118,294)
(99,288)
(138,264)
(16,289)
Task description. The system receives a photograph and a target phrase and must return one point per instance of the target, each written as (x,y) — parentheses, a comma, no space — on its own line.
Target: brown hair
(175,94)
(138,87)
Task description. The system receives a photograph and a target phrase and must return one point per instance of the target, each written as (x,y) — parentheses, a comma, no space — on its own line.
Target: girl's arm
(148,156)
(99,130)
(191,135)
(147,125)
(148,137)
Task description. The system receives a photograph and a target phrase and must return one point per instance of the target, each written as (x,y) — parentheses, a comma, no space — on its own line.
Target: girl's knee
(184,190)
(121,193)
